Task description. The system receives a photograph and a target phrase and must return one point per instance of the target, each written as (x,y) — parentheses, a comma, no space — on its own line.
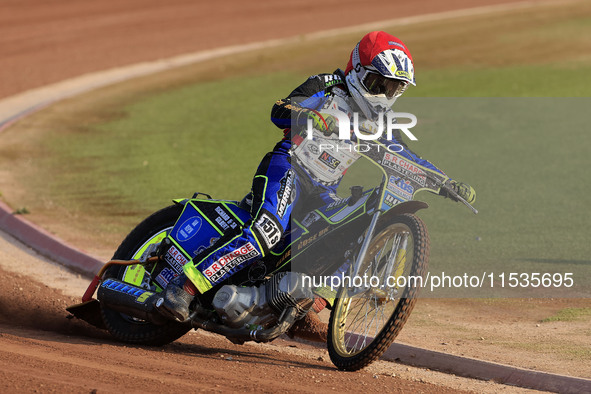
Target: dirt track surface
(60,362)
(41,350)
(45,41)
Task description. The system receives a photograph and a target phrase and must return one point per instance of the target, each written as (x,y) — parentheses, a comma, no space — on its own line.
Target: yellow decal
(144,296)
(198,279)
(155,239)
(402,73)
(134,274)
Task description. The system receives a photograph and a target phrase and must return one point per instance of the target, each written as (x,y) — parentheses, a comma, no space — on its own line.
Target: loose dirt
(41,350)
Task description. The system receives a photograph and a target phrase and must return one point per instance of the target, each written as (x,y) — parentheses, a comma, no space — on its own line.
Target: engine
(263,305)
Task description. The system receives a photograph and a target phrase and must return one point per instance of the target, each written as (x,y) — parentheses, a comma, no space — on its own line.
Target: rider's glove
(464,190)
(323,122)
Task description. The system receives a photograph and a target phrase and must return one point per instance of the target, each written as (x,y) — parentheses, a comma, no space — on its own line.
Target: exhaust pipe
(141,304)
(131,300)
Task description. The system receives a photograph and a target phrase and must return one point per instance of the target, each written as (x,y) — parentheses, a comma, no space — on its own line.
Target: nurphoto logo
(373,133)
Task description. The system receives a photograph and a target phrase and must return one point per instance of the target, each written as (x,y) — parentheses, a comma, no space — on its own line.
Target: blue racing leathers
(282,178)
(273,193)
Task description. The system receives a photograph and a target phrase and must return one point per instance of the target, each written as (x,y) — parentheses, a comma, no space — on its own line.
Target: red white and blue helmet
(379,71)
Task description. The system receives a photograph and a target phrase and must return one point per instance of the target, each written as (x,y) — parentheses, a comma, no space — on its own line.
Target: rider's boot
(177,297)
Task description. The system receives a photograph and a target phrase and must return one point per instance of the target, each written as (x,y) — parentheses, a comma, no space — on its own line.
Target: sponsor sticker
(306,242)
(402,66)
(176,259)
(405,167)
(224,220)
(284,193)
(400,187)
(331,80)
(224,264)
(310,218)
(329,160)
(337,203)
(165,276)
(390,200)
(404,74)
(140,294)
(188,229)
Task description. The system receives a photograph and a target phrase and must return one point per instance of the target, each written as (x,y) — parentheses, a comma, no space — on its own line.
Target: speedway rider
(379,70)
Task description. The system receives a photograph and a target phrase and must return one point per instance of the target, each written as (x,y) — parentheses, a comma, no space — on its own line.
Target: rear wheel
(126,328)
(366,319)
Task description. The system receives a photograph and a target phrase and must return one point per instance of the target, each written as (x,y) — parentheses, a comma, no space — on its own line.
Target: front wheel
(366,320)
(126,328)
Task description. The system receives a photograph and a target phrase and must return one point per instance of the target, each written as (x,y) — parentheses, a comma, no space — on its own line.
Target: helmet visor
(378,84)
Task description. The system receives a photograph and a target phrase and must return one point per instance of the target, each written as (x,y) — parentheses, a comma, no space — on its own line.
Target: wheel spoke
(365,312)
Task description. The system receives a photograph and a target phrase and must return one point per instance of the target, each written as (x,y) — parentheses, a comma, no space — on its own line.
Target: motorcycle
(373,234)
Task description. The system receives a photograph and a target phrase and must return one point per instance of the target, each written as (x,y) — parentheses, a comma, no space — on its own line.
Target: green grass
(117,155)
(515,81)
(525,157)
(22,211)
(175,143)
(569,314)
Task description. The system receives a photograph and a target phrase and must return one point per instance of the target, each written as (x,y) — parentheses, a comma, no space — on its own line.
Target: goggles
(378,84)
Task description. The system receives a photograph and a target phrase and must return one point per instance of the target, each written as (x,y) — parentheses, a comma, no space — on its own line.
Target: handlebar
(446,186)
(455,195)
